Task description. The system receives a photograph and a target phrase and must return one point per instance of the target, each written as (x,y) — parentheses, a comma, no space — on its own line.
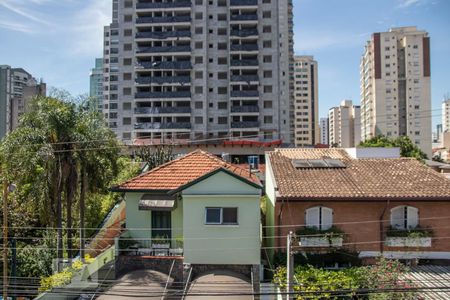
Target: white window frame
(320,225)
(410,219)
(221,216)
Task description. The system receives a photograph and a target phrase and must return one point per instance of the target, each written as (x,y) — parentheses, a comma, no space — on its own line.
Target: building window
(221,216)
(404,217)
(319,217)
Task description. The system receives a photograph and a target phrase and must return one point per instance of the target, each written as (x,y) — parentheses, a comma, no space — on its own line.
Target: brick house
(397,207)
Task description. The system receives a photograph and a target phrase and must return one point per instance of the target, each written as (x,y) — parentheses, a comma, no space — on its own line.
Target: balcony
(163,34)
(243,2)
(245,124)
(244,62)
(173,19)
(158,125)
(244,47)
(244,17)
(245,109)
(166,65)
(162,80)
(164,49)
(163,5)
(321,241)
(244,32)
(162,110)
(244,94)
(246,78)
(161,95)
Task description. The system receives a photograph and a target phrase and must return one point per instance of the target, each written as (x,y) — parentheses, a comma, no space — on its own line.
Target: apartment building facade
(96,86)
(193,70)
(17,88)
(395,86)
(344,125)
(445,116)
(324,134)
(306,102)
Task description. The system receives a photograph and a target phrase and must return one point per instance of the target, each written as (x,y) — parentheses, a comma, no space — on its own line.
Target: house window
(404,217)
(221,216)
(319,217)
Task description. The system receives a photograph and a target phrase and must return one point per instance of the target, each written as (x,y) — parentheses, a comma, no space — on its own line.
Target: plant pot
(321,241)
(394,241)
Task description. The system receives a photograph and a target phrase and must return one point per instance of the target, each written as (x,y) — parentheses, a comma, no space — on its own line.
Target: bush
(411,233)
(56,280)
(312,231)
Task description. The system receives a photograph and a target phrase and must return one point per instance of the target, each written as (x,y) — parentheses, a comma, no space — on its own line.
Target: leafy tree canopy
(407,147)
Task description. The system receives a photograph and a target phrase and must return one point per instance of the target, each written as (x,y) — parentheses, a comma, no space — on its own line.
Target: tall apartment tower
(395,86)
(344,125)
(446,115)
(17,88)
(306,102)
(198,69)
(324,124)
(96,86)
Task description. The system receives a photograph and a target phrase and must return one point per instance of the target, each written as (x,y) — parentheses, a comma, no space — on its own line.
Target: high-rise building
(17,88)
(198,69)
(306,102)
(344,125)
(324,131)
(446,115)
(96,86)
(395,86)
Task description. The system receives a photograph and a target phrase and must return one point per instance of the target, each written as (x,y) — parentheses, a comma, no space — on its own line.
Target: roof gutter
(363,199)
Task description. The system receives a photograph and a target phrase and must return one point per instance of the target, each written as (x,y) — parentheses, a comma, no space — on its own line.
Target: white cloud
(15,26)
(18,9)
(408,3)
(403,4)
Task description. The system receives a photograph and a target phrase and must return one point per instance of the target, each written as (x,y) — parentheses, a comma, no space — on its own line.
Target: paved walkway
(143,284)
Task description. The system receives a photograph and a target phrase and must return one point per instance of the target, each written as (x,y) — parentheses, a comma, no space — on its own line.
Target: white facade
(306,102)
(199,69)
(395,86)
(445,116)
(344,125)
(324,124)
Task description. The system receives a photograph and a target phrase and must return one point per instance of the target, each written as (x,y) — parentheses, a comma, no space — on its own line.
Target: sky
(58,40)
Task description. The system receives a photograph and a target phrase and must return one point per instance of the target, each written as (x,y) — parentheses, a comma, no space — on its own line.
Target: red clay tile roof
(182,171)
(400,178)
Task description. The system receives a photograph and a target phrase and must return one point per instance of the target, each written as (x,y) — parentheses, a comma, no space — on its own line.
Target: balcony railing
(163,35)
(166,65)
(246,78)
(158,125)
(143,95)
(245,124)
(244,47)
(243,2)
(245,109)
(244,17)
(163,110)
(244,93)
(244,62)
(172,19)
(164,49)
(162,80)
(244,32)
(163,5)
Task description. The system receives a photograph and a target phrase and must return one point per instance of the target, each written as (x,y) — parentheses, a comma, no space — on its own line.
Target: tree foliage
(407,147)
(155,156)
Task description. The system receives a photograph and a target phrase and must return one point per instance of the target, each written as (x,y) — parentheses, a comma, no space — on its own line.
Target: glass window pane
(230,215)
(212,215)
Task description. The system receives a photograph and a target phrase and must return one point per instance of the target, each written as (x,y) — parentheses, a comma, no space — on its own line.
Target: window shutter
(327,218)
(398,217)
(312,217)
(412,217)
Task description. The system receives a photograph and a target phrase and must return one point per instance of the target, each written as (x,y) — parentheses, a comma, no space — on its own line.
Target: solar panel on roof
(335,163)
(318,163)
(300,163)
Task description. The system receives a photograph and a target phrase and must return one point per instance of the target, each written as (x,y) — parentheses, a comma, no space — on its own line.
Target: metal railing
(172,19)
(166,65)
(164,49)
(163,34)
(163,5)
(163,110)
(245,124)
(244,32)
(164,79)
(244,62)
(245,109)
(246,78)
(244,47)
(243,2)
(244,17)
(158,125)
(177,94)
(244,93)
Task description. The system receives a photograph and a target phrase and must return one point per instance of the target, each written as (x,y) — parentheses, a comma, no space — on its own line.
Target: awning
(157,202)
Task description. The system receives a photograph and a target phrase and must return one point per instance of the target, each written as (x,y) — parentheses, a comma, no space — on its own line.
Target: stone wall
(125,264)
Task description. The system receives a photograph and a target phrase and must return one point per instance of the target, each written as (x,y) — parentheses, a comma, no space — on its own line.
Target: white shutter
(398,217)
(327,218)
(412,217)
(312,217)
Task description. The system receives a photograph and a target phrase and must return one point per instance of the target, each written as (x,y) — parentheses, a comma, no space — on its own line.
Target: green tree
(154,157)
(407,147)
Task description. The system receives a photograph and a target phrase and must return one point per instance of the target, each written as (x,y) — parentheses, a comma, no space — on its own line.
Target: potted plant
(161,242)
(178,250)
(412,237)
(314,237)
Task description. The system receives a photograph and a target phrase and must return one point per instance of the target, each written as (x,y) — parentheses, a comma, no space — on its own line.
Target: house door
(161,224)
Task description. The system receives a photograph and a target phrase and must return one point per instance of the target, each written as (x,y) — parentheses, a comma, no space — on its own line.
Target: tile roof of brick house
(183,171)
(359,179)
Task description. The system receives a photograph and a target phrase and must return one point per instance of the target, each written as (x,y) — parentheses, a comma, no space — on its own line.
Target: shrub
(411,233)
(56,280)
(312,231)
